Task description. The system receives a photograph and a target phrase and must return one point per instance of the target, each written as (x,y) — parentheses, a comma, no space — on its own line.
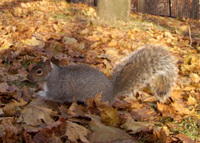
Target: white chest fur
(44,92)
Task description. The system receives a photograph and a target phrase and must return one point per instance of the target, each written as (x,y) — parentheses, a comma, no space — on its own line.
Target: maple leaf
(110,116)
(75,110)
(75,132)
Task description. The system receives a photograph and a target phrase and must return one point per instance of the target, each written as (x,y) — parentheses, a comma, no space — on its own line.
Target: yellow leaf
(5,46)
(110,116)
(34,42)
(113,43)
(194,77)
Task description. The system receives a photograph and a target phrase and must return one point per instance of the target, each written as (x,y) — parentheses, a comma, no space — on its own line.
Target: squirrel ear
(47,64)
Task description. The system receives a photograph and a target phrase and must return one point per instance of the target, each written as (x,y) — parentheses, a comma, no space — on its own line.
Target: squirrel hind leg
(161,86)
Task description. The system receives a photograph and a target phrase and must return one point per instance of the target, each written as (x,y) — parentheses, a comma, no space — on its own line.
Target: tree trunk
(114,9)
(142,6)
(195,9)
(95,2)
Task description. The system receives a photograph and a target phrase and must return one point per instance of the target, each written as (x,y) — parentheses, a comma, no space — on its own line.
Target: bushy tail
(150,64)
(161,86)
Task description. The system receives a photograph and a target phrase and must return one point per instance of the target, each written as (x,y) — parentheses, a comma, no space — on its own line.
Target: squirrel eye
(39,71)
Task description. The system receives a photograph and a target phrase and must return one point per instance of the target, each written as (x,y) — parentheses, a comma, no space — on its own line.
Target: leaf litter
(72,33)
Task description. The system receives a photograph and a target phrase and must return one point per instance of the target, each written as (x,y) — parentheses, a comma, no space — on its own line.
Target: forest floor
(31,30)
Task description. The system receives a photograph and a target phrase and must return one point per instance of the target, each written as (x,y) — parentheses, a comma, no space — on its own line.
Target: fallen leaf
(110,116)
(74,132)
(191,101)
(75,110)
(160,133)
(94,105)
(69,40)
(54,139)
(185,139)
(134,126)
(3,87)
(35,115)
(11,108)
(182,109)
(143,113)
(10,131)
(33,42)
(5,47)
(106,134)
(194,77)
(113,43)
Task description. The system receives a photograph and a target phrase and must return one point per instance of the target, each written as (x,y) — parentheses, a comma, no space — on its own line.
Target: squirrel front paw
(42,93)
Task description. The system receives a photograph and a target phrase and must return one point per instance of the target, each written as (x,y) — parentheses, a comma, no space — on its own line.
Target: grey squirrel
(149,64)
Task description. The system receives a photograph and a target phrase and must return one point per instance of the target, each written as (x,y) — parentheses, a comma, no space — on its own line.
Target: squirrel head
(40,72)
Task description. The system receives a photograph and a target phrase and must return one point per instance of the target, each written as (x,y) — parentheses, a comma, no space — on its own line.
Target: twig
(190,35)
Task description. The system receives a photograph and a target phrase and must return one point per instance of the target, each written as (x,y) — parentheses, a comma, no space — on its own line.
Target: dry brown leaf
(27,137)
(134,126)
(52,132)
(105,134)
(181,108)
(11,108)
(165,110)
(10,131)
(192,101)
(3,87)
(94,105)
(33,42)
(54,139)
(143,113)
(35,115)
(134,103)
(75,110)
(191,64)
(93,38)
(195,77)
(74,132)
(185,139)
(160,133)
(110,116)
(113,43)
(42,136)
(5,47)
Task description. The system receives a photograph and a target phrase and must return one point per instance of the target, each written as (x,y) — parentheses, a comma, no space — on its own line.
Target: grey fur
(80,81)
(150,64)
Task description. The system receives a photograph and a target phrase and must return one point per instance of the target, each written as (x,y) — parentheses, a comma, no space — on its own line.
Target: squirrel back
(150,64)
